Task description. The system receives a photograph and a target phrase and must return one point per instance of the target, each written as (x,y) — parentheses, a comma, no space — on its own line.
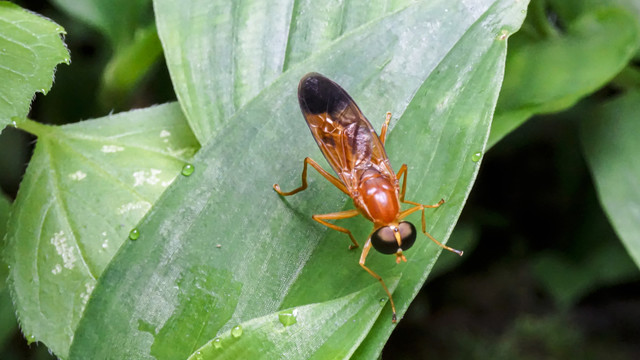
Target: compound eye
(407,234)
(384,240)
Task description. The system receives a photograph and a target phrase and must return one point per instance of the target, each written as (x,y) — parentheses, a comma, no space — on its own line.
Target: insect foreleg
(363,258)
(421,207)
(416,206)
(337,216)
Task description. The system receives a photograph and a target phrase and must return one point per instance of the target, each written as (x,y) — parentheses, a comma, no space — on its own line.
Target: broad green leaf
(130,63)
(221,54)
(304,328)
(86,187)
(611,147)
(570,9)
(598,261)
(30,49)
(567,280)
(220,248)
(552,75)
(116,19)
(129,27)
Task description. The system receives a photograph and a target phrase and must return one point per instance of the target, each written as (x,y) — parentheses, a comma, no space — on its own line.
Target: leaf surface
(220,248)
(86,187)
(611,147)
(30,49)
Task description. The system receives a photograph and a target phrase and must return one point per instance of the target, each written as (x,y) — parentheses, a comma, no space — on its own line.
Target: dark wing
(342,132)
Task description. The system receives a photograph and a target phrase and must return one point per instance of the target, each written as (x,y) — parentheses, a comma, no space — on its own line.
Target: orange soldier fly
(356,153)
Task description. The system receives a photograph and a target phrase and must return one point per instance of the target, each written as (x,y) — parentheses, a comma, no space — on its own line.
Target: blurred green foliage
(551,246)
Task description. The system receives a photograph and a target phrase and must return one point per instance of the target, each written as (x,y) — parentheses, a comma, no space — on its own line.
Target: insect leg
(401,172)
(337,216)
(416,206)
(332,179)
(421,207)
(363,257)
(383,132)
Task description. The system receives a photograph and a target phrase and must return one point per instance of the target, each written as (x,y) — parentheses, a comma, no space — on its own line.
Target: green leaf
(30,49)
(552,75)
(130,63)
(86,187)
(220,248)
(610,144)
(304,328)
(570,9)
(116,19)
(599,260)
(568,279)
(222,58)
(129,27)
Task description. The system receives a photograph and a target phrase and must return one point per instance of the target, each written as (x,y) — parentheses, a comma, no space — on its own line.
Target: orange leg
(337,216)
(332,179)
(402,173)
(383,131)
(363,257)
(416,206)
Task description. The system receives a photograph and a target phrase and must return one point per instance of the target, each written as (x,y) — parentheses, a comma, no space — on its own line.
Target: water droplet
(14,124)
(217,343)
(236,331)
(198,355)
(134,234)
(31,339)
(383,301)
(476,156)
(187,170)
(288,318)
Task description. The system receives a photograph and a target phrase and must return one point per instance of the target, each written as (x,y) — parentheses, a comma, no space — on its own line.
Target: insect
(357,155)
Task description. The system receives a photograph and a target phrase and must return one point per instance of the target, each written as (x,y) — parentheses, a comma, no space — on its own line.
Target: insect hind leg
(332,179)
(385,126)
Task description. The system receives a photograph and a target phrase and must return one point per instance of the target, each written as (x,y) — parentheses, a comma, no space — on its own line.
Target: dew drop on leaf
(187,170)
(476,156)
(236,331)
(134,234)
(288,318)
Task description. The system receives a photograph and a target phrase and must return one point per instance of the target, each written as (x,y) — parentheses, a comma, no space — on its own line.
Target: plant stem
(32,127)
